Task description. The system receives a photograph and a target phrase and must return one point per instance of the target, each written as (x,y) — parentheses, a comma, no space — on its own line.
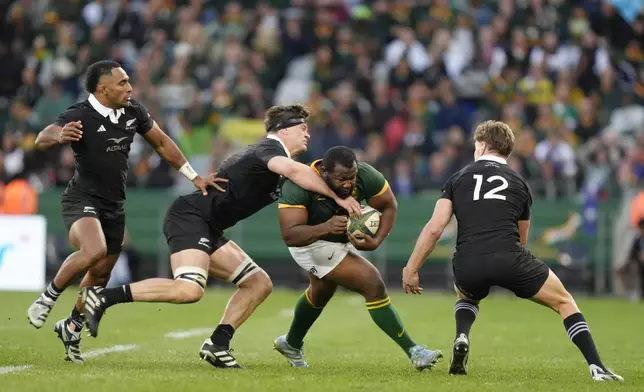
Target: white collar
(493,159)
(288,153)
(102,109)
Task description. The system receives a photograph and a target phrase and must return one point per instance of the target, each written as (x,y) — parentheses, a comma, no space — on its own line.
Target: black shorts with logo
(185,227)
(76,206)
(519,272)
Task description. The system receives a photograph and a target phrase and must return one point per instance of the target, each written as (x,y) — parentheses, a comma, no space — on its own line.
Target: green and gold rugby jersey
(370,183)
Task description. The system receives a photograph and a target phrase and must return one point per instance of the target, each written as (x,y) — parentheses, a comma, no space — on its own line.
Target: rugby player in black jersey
(100,131)
(194,227)
(492,203)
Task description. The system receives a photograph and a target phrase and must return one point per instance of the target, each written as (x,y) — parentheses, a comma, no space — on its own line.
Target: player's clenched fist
(338,224)
(71,132)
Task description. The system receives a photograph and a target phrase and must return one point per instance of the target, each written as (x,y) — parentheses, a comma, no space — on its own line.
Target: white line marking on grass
(14,369)
(188,333)
(355,300)
(114,349)
(287,312)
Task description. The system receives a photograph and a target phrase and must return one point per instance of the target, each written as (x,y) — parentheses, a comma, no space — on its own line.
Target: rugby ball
(366,224)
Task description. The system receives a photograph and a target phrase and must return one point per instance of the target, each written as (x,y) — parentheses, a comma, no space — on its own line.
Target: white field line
(14,369)
(188,333)
(114,349)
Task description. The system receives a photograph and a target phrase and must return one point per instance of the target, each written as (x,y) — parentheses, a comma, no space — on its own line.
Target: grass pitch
(516,345)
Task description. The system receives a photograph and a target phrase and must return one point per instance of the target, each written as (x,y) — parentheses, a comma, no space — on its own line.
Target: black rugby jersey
(251,185)
(488,199)
(102,152)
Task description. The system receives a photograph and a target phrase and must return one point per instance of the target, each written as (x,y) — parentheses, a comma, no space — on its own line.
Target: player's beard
(341,192)
(120,104)
(125,102)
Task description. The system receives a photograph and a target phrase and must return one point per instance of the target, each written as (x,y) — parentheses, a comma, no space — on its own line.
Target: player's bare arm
(308,179)
(168,150)
(54,134)
(425,244)
(387,205)
(296,232)
(524,228)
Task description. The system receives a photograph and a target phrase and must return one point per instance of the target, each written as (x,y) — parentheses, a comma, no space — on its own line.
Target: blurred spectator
(635,262)
(19,198)
(404,83)
(50,105)
(558,165)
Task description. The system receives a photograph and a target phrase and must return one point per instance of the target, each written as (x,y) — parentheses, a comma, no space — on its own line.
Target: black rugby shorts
(185,227)
(520,272)
(76,206)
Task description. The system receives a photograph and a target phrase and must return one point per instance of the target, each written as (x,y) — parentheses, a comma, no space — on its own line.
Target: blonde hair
(497,135)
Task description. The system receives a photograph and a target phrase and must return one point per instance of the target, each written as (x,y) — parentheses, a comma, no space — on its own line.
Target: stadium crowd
(402,82)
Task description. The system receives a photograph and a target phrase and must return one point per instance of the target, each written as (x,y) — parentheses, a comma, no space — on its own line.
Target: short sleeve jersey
(251,185)
(488,200)
(102,152)
(370,183)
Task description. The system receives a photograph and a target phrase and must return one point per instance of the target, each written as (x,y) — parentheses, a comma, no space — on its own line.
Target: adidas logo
(101,129)
(225,358)
(219,359)
(94,301)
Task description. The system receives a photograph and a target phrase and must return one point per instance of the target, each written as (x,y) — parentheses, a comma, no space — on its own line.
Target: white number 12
(492,193)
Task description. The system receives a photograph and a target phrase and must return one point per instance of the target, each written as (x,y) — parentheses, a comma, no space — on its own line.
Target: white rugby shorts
(321,257)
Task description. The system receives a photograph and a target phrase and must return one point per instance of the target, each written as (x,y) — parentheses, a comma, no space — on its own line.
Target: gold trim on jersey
(383,190)
(282,205)
(315,168)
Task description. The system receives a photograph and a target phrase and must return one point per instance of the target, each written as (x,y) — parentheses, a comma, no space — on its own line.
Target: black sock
(52,291)
(579,333)
(77,317)
(465,313)
(117,295)
(222,335)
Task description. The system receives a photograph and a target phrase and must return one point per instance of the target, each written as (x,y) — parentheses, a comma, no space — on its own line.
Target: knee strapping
(463,295)
(194,275)
(245,270)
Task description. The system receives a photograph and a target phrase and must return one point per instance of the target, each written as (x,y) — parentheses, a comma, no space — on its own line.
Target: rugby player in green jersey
(315,230)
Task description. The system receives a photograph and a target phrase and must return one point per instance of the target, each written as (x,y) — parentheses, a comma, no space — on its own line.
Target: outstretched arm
(425,244)
(308,179)
(168,150)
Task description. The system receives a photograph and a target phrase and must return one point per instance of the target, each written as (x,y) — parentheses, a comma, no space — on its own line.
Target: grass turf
(516,345)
